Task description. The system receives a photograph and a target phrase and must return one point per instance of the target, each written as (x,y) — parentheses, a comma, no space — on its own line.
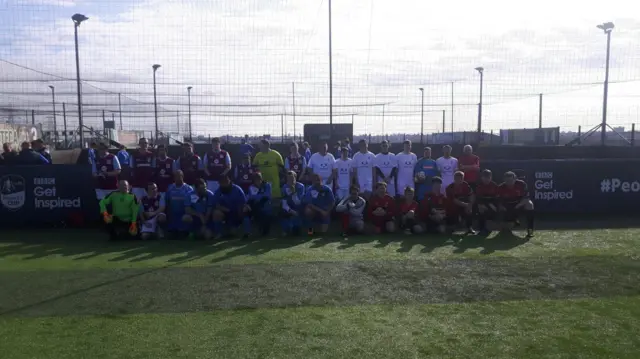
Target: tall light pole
(607,27)
(330,79)
(55,123)
(77,20)
(190,128)
(481,71)
(422,117)
(120,109)
(155,99)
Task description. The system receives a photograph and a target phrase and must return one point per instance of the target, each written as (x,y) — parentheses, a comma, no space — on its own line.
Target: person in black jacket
(8,155)
(27,156)
(38,146)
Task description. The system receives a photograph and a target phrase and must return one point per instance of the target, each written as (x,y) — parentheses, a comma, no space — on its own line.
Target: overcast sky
(242,56)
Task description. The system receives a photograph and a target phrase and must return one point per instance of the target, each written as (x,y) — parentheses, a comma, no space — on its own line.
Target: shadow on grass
(503,241)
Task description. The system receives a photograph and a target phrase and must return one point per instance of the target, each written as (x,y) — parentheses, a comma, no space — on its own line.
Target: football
(422,176)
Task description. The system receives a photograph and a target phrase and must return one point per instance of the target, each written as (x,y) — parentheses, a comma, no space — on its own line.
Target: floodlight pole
(481,71)
(189,99)
(603,127)
(155,101)
(422,117)
(77,20)
(330,78)
(55,123)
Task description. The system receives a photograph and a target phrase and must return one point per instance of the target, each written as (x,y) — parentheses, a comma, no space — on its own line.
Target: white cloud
(249,51)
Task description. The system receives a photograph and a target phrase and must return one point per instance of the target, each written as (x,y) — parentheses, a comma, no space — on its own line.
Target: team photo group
(148,194)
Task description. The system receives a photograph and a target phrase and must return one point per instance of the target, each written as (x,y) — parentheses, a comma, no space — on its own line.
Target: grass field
(563,294)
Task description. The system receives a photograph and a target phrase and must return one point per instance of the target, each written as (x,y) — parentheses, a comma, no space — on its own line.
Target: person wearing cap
(189,163)
(105,169)
(386,168)
(216,163)
(243,173)
(363,166)
(270,163)
(143,167)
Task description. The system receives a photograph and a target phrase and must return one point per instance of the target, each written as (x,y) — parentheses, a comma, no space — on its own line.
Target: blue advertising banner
(578,186)
(45,194)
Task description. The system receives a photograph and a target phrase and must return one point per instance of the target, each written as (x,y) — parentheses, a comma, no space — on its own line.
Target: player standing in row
(363,165)
(269,162)
(243,173)
(470,165)
(343,174)
(105,168)
(164,170)
(426,169)
(447,166)
(189,163)
(322,164)
(407,161)
(295,161)
(216,163)
(386,168)
(143,167)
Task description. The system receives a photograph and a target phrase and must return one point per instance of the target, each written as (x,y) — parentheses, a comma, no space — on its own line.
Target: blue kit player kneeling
(199,211)
(319,201)
(259,203)
(293,193)
(230,210)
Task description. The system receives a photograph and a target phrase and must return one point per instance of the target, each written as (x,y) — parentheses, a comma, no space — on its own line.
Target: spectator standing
(142,164)
(92,152)
(470,165)
(307,150)
(38,146)
(105,170)
(27,156)
(269,163)
(9,154)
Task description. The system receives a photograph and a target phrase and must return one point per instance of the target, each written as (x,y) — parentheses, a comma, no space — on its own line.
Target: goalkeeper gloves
(133,229)
(107,217)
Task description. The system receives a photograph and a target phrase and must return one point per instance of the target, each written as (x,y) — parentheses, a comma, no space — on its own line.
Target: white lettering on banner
(46,197)
(611,185)
(544,188)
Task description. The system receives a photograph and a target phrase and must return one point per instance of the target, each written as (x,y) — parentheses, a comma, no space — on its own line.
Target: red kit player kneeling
(382,210)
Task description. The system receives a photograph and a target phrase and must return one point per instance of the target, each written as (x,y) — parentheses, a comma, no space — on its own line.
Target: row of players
(203,213)
(365,168)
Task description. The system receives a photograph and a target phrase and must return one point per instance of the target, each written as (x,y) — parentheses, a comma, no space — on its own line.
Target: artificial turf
(562,294)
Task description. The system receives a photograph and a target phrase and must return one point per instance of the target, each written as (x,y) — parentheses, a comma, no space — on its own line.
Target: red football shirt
(386,202)
(470,175)
(513,194)
(406,207)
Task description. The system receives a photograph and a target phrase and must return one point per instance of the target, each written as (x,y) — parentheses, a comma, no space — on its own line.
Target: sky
(248,59)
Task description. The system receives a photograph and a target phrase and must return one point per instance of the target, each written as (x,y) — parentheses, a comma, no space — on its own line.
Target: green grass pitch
(562,294)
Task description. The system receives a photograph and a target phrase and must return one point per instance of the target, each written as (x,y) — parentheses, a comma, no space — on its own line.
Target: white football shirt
(344,169)
(322,165)
(386,162)
(447,168)
(406,164)
(363,163)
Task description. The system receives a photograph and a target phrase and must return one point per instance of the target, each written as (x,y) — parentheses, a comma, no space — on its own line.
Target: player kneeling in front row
(292,205)
(514,198)
(152,213)
(229,212)
(121,223)
(433,208)
(198,211)
(351,209)
(486,202)
(461,198)
(382,210)
(408,216)
(258,206)
(319,201)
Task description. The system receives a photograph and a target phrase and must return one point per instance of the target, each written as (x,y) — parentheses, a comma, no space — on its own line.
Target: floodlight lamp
(51,87)
(606,27)
(480,69)
(189,88)
(78,19)
(155,67)
(421,89)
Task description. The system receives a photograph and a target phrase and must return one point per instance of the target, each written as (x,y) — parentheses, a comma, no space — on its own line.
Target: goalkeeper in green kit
(121,221)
